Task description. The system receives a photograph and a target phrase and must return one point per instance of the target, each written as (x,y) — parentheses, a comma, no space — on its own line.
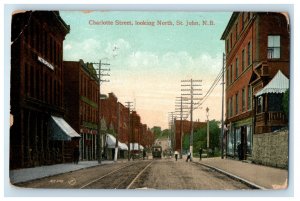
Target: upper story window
(236,68)
(243,99)
(273,47)
(243,60)
(236,31)
(260,105)
(237,103)
(249,97)
(249,54)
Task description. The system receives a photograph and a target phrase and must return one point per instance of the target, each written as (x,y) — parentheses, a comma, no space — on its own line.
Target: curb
(248,183)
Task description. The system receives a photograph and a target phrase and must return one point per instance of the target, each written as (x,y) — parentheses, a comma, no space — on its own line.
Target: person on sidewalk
(239,150)
(144,154)
(76,155)
(200,154)
(176,155)
(188,158)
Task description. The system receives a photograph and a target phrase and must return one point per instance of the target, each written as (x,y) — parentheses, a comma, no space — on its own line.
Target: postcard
(152,100)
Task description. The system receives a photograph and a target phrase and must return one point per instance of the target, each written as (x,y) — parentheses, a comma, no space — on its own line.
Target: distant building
(81,93)
(257,47)
(184,128)
(38,135)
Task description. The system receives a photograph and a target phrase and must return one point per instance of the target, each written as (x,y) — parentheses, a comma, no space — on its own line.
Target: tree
(285,102)
(200,137)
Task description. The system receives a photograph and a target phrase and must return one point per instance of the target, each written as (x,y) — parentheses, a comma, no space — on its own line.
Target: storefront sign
(46,63)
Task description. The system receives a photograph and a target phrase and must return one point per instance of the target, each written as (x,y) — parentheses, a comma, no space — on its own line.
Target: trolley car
(156,151)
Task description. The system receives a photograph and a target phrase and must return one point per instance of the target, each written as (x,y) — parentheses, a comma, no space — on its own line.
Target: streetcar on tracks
(156,151)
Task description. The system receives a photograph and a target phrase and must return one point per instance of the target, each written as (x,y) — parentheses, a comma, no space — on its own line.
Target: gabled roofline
(229,25)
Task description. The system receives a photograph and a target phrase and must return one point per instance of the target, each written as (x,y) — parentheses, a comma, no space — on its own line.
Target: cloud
(116,48)
(67,47)
(88,50)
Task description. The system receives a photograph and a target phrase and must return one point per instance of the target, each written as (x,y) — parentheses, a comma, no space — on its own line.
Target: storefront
(240,139)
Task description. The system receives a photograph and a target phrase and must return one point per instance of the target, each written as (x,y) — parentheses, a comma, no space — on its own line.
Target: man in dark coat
(76,155)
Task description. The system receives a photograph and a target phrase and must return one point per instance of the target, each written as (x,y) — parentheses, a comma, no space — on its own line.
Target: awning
(61,130)
(111,143)
(136,146)
(279,84)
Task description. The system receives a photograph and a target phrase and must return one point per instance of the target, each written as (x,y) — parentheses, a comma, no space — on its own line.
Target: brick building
(81,93)
(37,103)
(184,128)
(257,47)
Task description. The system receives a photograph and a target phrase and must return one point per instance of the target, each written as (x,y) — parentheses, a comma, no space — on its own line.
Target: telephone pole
(192,87)
(100,74)
(222,129)
(118,131)
(129,105)
(171,125)
(181,108)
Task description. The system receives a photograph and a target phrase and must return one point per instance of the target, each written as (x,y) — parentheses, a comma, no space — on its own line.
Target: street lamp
(207,110)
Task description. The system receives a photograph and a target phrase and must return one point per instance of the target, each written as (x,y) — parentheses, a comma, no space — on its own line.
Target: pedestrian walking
(200,154)
(76,155)
(176,155)
(188,158)
(239,150)
(144,154)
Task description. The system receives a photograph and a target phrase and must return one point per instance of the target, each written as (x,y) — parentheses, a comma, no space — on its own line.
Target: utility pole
(129,105)
(207,110)
(191,89)
(100,74)
(222,129)
(171,122)
(181,113)
(118,131)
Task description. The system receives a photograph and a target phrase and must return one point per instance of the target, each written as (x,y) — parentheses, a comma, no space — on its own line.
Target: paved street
(146,174)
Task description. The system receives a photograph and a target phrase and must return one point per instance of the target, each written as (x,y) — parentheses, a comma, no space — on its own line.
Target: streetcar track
(95,180)
(128,187)
(116,172)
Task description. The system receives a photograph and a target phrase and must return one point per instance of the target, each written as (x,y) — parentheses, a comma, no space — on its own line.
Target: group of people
(189,155)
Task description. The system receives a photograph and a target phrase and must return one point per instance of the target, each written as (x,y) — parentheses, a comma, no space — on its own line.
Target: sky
(148,60)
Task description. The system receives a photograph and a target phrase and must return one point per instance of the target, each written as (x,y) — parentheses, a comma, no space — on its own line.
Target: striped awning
(111,143)
(279,84)
(61,130)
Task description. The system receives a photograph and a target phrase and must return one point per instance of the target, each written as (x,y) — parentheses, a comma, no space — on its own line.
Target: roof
(279,84)
(229,25)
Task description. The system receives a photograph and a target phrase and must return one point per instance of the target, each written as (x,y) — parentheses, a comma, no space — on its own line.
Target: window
(237,103)
(273,47)
(249,106)
(231,108)
(236,68)
(231,74)
(227,77)
(249,54)
(236,31)
(243,60)
(227,45)
(243,19)
(26,78)
(243,100)
(231,42)
(260,107)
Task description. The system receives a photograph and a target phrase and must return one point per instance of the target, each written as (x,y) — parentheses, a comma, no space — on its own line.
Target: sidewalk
(27,174)
(263,177)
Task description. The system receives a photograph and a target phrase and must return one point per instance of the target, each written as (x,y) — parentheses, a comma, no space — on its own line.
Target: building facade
(37,89)
(256,46)
(81,93)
